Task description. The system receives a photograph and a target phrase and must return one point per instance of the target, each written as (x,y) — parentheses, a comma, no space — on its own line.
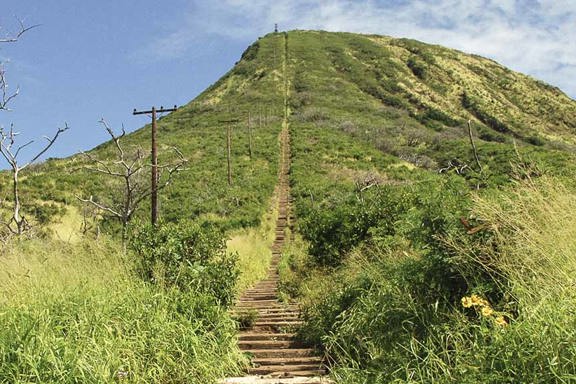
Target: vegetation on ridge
(413,263)
(408,275)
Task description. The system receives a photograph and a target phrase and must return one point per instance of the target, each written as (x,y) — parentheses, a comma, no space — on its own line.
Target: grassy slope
(405,98)
(252,87)
(382,272)
(362,108)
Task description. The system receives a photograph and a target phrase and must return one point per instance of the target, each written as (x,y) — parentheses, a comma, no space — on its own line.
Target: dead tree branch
(474,146)
(130,170)
(7,97)
(12,38)
(456,166)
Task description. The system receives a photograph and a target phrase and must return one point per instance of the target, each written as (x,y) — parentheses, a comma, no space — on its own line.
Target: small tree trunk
(16,217)
(124,236)
(474,146)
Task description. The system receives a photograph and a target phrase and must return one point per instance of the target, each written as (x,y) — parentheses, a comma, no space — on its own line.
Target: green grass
(380,269)
(73,313)
(394,311)
(377,271)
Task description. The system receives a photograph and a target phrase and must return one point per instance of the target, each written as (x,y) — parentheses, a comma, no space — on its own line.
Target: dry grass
(253,247)
(536,230)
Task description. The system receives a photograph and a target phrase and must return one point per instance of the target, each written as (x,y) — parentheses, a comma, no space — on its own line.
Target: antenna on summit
(276,28)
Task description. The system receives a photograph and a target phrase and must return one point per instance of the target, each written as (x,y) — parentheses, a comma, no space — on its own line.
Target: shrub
(417,68)
(536,140)
(186,256)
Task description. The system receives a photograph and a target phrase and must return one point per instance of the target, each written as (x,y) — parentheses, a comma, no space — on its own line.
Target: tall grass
(253,246)
(74,313)
(535,264)
(382,318)
(536,231)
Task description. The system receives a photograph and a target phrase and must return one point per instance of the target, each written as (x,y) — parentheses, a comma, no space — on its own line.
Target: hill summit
(406,100)
(413,203)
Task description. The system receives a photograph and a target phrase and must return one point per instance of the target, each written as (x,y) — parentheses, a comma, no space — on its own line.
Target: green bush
(186,256)
(396,313)
(418,68)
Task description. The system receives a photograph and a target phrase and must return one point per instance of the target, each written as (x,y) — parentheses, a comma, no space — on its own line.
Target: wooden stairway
(269,339)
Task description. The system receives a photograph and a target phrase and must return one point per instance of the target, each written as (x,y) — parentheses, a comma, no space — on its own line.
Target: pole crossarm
(161,110)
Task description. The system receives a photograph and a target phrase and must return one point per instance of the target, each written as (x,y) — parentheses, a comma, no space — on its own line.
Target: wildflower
(501,321)
(478,301)
(486,311)
(466,302)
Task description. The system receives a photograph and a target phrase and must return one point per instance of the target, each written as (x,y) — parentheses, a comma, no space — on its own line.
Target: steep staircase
(268,335)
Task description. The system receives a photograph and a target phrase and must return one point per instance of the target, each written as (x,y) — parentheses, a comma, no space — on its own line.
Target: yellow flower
(466,302)
(501,321)
(478,301)
(487,311)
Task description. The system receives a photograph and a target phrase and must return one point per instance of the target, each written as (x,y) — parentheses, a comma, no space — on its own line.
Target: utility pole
(154,161)
(229,146)
(229,151)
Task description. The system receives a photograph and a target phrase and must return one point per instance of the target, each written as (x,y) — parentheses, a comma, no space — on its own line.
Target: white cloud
(531,36)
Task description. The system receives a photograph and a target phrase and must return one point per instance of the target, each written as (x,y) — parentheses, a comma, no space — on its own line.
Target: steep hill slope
(414,257)
(399,100)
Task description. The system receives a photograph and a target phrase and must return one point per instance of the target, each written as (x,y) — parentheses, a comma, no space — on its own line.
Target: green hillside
(423,251)
(395,97)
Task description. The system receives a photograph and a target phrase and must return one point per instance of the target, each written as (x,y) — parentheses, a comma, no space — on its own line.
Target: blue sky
(93,59)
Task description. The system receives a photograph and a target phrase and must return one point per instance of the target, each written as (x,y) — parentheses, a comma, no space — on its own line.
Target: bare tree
(131,170)
(18,224)
(10,38)
(8,148)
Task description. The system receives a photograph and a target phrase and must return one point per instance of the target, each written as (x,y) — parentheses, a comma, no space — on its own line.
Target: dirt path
(269,332)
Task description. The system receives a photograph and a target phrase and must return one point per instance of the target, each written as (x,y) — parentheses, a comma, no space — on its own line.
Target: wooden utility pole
(154,161)
(229,146)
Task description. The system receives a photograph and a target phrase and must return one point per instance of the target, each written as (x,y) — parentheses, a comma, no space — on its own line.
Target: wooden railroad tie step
(266,336)
(247,345)
(287,360)
(281,370)
(281,353)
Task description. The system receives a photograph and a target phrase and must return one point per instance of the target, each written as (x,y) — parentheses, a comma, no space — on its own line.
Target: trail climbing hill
(268,332)
(407,99)
(269,338)
(364,110)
